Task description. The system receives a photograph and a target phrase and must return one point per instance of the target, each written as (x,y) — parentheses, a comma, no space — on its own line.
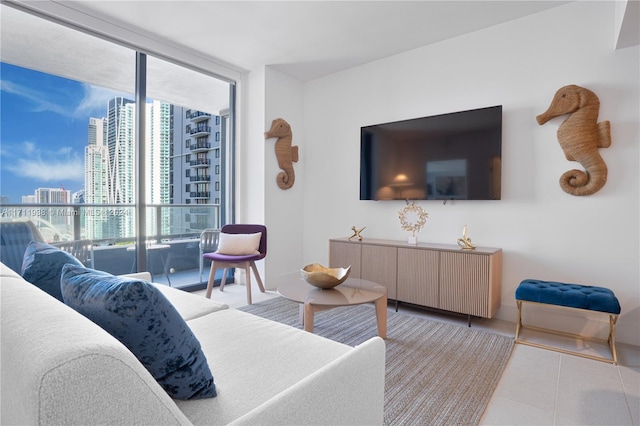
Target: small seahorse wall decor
(285,152)
(580,136)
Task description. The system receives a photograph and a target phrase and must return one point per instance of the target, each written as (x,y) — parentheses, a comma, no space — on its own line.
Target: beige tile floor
(538,387)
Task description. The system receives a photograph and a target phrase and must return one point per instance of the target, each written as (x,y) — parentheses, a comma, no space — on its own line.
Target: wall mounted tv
(455,156)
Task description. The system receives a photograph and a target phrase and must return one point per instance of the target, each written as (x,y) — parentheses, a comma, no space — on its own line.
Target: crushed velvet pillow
(142,318)
(42,266)
(239,244)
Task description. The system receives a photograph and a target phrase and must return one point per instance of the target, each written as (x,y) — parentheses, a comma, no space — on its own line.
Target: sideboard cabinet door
(464,283)
(343,254)
(379,264)
(418,276)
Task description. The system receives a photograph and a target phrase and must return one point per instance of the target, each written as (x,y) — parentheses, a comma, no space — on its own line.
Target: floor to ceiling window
(76,161)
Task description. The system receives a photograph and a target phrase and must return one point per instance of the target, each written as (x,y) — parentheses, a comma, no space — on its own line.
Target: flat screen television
(455,156)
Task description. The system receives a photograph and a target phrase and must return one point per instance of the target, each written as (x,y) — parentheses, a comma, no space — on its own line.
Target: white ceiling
(305,39)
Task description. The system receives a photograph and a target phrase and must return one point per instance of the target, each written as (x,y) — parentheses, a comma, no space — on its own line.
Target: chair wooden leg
(247,272)
(255,272)
(212,278)
(224,278)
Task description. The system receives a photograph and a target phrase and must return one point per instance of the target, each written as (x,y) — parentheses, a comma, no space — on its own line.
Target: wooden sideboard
(440,276)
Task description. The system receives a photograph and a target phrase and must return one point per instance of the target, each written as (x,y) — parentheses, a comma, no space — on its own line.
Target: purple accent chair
(225,261)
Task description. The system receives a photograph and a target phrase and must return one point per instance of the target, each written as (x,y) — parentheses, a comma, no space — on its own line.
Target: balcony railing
(198,116)
(200,130)
(107,223)
(201,178)
(199,146)
(112,230)
(200,162)
(200,194)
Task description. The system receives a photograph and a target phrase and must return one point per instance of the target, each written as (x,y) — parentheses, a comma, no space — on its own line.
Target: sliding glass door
(137,164)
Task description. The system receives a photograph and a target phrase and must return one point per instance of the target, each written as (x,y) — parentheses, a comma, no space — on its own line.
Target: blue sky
(43,130)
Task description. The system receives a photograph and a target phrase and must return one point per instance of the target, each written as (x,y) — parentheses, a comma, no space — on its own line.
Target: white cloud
(44,165)
(36,97)
(29,147)
(94,101)
(92,104)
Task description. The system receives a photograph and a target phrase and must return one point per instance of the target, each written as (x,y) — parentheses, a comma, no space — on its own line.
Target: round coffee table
(353,291)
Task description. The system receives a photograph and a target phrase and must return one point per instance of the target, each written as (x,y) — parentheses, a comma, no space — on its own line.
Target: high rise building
(195,159)
(121,133)
(52,196)
(158,135)
(96,178)
(182,166)
(55,223)
(121,143)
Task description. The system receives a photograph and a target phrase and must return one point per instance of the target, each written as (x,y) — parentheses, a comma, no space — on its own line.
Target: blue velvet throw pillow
(142,318)
(42,266)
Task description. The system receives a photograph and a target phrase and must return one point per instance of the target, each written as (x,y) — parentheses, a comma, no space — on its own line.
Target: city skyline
(67,137)
(44,131)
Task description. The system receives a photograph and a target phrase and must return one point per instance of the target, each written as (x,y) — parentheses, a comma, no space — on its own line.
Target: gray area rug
(436,373)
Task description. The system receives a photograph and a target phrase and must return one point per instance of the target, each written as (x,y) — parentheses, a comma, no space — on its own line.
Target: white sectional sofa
(59,368)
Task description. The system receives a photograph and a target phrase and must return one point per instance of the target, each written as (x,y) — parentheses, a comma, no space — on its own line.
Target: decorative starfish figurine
(356,233)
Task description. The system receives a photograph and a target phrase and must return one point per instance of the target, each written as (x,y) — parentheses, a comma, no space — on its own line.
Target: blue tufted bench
(575,296)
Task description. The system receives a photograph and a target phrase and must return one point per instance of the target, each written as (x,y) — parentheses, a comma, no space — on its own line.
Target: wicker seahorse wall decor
(285,153)
(580,136)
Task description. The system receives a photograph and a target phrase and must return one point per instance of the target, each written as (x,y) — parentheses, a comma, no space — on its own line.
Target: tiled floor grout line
(627,397)
(555,400)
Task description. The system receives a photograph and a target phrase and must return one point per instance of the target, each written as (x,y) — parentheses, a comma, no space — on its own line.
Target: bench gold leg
(610,341)
(612,337)
(519,323)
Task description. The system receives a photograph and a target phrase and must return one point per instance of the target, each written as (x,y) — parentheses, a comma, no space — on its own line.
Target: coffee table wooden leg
(308,317)
(381,315)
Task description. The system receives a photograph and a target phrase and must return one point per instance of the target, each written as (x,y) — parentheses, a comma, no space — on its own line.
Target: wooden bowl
(322,277)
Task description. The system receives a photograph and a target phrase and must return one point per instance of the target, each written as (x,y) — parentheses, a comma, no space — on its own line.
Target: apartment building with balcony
(195,166)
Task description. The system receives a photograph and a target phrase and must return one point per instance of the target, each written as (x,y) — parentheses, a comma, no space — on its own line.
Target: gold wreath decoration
(419,212)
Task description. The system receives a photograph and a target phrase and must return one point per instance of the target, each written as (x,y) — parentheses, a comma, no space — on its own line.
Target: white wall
(544,232)
(250,155)
(268,94)
(284,219)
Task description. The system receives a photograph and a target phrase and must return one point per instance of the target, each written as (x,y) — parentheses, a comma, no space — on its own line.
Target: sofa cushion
(239,244)
(140,316)
(42,266)
(188,305)
(256,358)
